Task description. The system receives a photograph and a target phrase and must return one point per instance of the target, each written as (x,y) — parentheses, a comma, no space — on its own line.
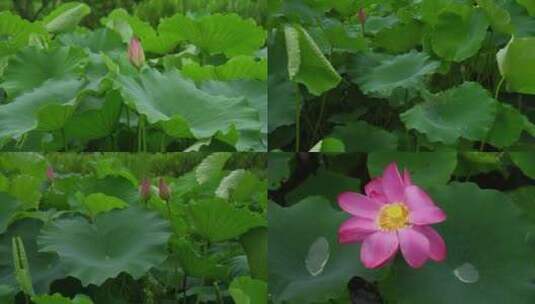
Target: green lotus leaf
(46,108)
(525,161)
(459,34)
(31,68)
(323,183)
(278,169)
(281,91)
(66,17)
(523,23)
(8,208)
(517,65)
(30,163)
(306,63)
(499,17)
(44,267)
(529,5)
(16,33)
(255,244)
(245,290)
(507,127)
(501,262)
(95,117)
(381,74)
(217,220)
(256,93)
(524,198)
(306,262)
(59,299)
(7,294)
(174,101)
(427,169)
(211,167)
(466,111)
(196,265)
(401,37)
(239,185)
(27,189)
(340,37)
(329,145)
(100,40)
(97,203)
(360,136)
(472,163)
(239,67)
(127,26)
(129,240)
(218,34)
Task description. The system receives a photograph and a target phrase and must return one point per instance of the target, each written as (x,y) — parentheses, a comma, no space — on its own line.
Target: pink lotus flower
(164,191)
(135,53)
(144,189)
(50,175)
(393,214)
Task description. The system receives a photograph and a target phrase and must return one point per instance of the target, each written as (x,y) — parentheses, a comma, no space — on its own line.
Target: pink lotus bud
(362,17)
(164,191)
(135,53)
(144,189)
(50,174)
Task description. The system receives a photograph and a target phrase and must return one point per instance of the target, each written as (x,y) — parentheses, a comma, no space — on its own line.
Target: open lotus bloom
(394,214)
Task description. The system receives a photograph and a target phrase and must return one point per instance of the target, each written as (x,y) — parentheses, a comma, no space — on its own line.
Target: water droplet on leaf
(467,273)
(318,256)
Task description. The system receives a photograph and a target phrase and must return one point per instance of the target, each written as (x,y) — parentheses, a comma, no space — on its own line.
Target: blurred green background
(148,10)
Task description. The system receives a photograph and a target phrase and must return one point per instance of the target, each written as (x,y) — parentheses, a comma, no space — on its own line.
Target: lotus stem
(297,118)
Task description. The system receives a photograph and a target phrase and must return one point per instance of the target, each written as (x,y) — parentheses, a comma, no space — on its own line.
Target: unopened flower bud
(164,191)
(362,17)
(144,189)
(50,174)
(135,53)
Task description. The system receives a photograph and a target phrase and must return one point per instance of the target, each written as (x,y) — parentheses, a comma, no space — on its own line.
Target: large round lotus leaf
(255,92)
(281,91)
(100,40)
(529,5)
(426,168)
(240,67)
(196,265)
(16,32)
(169,98)
(278,169)
(95,117)
(382,74)
(401,37)
(499,17)
(466,111)
(306,62)
(130,240)
(306,262)
(525,161)
(459,34)
(359,136)
(245,290)
(47,108)
(218,220)
(323,183)
(32,67)
(126,25)
(211,167)
(8,208)
(44,267)
(218,34)
(255,244)
(507,127)
(489,257)
(66,16)
(517,65)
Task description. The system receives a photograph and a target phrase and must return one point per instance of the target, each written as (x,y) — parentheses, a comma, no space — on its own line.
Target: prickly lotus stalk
(136,55)
(22,269)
